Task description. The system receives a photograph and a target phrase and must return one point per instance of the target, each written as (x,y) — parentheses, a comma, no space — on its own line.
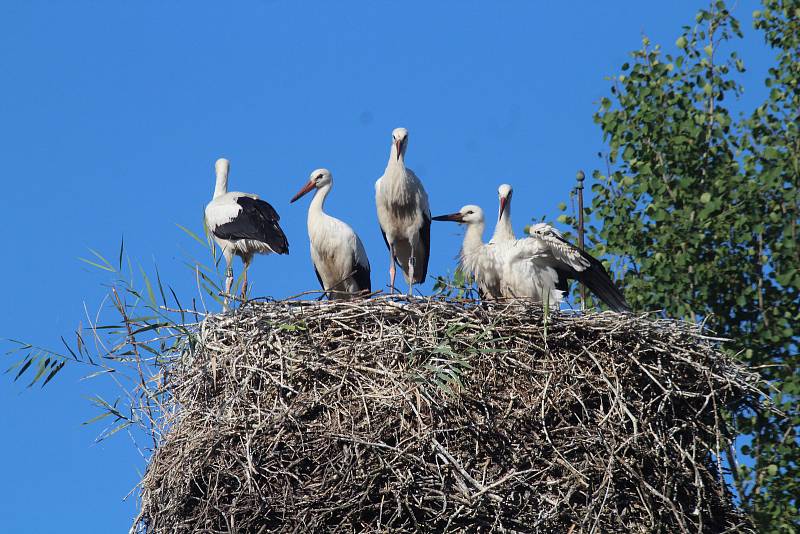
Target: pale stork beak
(503,201)
(455,217)
(397,145)
(306,188)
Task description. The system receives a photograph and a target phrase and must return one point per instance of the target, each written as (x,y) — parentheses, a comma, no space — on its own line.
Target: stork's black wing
(569,260)
(318,277)
(425,239)
(562,283)
(257,220)
(596,278)
(361,276)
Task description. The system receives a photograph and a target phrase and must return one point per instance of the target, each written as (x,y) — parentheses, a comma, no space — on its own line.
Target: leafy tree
(699,214)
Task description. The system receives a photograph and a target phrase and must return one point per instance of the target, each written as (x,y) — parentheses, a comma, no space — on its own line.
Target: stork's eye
(319,177)
(470,212)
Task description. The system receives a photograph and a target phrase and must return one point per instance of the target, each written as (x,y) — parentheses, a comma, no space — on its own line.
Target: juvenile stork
(340,261)
(404,215)
(477,258)
(547,247)
(242,225)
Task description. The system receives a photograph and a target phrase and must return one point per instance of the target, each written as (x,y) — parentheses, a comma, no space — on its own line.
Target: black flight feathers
(361,277)
(258,220)
(595,278)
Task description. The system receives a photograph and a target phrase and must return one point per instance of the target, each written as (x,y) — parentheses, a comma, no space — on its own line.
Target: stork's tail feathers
(597,280)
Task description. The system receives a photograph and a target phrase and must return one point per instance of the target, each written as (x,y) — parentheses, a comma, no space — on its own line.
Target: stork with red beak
(404,215)
(339,259)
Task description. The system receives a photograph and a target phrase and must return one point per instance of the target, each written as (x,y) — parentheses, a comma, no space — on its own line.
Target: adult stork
(478,259)
(404,215)
(242,225)
(340,261)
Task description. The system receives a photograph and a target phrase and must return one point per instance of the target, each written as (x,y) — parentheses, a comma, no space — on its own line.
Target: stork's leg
(244,278)
(411,262)
(392,270)
(228,284)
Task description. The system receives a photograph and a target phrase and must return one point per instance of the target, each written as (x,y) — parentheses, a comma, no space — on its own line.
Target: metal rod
(581,177)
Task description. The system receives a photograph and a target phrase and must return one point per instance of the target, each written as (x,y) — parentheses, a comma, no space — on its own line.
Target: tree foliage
(699,213)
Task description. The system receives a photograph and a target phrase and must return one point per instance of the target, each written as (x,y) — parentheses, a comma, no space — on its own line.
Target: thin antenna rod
(581,177)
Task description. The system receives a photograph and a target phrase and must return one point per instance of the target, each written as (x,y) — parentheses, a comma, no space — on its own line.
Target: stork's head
(221,166)
(317,180)
(504,193)
(400,142)
(469,214)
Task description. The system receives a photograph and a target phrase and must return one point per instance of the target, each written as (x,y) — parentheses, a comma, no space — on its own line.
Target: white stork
(242,225)
(477,258)
(519,279)
(503,231)
(545,261)
(340,261)
(404,215)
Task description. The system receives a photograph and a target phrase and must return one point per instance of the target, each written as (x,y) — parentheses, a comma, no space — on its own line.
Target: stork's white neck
(504,231)
(221,186)
(318,202)
(473,238)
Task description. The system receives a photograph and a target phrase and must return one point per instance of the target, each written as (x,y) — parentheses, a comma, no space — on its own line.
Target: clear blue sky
(112,114)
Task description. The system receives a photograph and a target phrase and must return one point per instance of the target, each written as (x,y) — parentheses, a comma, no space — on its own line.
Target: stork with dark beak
(477,258)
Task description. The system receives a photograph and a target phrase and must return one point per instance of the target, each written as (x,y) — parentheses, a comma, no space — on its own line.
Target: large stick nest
(384,416)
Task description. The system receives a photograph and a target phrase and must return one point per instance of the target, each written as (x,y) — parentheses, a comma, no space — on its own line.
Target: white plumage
(539,267)
(404,215)
(525,275)
(521,275)
(242,225)
(340,261)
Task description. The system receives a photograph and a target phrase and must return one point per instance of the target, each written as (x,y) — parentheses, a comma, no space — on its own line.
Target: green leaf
(192,235)
(772,470)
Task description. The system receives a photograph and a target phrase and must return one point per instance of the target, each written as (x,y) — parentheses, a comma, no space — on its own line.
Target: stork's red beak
(306,188)
(455,217)
(503,201)
(397,145)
